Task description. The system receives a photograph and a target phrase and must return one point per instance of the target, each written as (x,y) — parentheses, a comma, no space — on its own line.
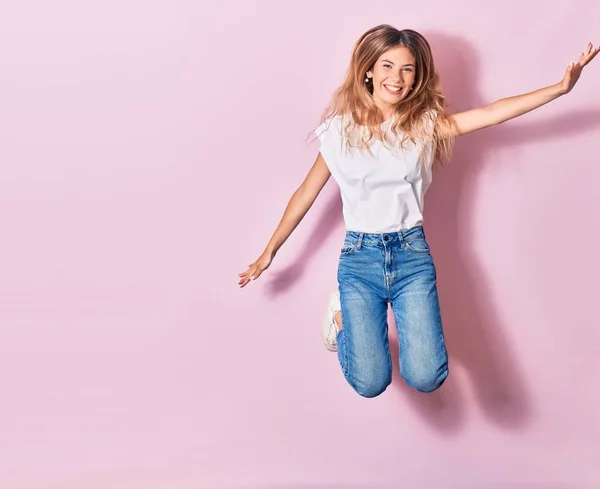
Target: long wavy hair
(354,98)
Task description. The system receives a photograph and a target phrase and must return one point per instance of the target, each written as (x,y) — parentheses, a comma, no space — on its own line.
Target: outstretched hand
(255,269)
(574,69)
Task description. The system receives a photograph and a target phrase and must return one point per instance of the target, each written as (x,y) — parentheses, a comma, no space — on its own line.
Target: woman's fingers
(245,277)
(243,274)
(255,270)
(243,282)
(592,54)
(589,54)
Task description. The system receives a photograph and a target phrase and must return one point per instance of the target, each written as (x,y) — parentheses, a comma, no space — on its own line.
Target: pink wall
(149,149)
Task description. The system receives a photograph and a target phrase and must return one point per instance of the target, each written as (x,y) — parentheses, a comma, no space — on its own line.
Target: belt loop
(401,236)
(360,238)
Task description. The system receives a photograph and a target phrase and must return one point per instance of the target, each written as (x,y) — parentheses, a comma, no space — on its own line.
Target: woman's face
(392,75)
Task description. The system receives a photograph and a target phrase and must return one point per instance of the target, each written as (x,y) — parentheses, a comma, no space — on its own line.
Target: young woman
(386,128)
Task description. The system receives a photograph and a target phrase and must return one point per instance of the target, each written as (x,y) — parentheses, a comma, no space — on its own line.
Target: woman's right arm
(301,201)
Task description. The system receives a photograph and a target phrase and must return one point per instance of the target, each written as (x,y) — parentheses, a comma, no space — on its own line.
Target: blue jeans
(392,268)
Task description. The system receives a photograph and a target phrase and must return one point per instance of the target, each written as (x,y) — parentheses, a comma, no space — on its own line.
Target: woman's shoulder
(333,119)
(329,124)
(429,113)
(429,117)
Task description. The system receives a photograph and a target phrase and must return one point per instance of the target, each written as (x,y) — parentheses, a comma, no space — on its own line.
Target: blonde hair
(413,115)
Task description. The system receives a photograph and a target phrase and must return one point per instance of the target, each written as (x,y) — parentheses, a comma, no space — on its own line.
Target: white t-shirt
(382,192)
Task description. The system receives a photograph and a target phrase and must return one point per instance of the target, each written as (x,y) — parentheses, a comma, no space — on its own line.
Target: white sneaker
(329,329)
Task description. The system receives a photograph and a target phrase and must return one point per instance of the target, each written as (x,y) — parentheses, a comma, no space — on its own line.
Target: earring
(366,79)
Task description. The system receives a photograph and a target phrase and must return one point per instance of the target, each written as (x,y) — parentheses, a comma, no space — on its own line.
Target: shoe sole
(325,327)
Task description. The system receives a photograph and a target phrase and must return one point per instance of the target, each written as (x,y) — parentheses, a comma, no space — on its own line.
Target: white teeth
(392,89)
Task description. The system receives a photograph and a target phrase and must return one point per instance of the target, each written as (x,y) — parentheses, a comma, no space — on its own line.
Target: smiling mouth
(394,90)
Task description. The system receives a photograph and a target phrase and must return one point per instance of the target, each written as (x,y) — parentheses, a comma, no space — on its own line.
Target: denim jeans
(375,270)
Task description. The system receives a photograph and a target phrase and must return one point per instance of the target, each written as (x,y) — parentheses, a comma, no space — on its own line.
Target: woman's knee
(427,382)
(370,387)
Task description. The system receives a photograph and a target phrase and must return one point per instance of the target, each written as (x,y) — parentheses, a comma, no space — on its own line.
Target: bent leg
(363,348)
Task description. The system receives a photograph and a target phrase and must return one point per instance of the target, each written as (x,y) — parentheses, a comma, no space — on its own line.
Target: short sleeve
(329,139)
(431,119)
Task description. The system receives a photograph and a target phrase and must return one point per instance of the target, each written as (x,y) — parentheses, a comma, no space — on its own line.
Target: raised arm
(508,108)
(299,204)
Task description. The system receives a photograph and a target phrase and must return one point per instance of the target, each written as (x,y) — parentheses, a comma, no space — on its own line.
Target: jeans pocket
(417,244)
(349,247)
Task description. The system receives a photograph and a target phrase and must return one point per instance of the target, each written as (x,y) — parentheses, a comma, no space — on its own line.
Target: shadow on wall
(472,324)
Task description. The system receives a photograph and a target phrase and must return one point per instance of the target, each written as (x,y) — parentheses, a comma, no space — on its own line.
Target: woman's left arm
(508,108)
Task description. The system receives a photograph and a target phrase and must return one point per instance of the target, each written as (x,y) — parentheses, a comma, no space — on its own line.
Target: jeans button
(386,238)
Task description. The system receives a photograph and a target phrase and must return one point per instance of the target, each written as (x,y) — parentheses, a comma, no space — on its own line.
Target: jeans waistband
(386,238)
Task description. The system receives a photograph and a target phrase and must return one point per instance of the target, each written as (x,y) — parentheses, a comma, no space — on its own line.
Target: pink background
(148,151)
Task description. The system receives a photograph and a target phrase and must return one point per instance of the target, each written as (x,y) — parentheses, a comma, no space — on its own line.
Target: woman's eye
(387,66)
